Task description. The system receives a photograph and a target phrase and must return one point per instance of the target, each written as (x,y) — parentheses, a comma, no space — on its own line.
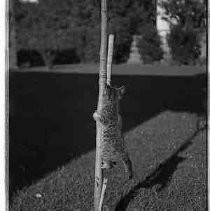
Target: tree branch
(109,58)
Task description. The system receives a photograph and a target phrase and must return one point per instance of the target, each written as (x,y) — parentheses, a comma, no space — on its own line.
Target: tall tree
(45,27)
(123,20)
(99,130)
(53,25)
(12,36)
(187,22)
(185,13)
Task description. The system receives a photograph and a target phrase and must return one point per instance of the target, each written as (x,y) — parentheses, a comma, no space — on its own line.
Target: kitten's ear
(121,90)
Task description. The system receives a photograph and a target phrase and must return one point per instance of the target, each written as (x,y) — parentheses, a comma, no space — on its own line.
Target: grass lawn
(124,69)
(169,159)
(52,139)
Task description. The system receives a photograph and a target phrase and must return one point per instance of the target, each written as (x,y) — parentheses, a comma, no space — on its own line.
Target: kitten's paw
(108,165)
(130,176)
(96,116)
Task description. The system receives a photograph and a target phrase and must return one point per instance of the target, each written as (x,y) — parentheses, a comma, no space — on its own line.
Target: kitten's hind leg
(108,165)
(127,165)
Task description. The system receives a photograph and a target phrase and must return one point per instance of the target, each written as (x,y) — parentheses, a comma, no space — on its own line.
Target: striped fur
(113,144)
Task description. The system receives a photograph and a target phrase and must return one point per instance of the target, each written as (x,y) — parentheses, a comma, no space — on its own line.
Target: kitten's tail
(127,165)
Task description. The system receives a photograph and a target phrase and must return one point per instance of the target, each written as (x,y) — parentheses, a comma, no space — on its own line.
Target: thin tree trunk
(48,57)
(102,81)
(12,37)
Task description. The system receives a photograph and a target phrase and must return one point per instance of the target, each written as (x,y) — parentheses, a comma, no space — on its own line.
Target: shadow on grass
(50,121)
(161,176)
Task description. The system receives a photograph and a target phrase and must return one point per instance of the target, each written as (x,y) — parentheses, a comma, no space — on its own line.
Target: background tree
(184,45)
(52,26)
(185,13)
(119,24)
(149,45)
(142,13)
(128,18)
(45,27)
(187,22)
(12,36)
(87,17)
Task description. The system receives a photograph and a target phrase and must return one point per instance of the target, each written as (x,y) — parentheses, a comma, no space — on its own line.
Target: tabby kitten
(113,144)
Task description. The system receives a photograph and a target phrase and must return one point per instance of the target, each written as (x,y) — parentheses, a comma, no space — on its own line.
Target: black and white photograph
(106,105)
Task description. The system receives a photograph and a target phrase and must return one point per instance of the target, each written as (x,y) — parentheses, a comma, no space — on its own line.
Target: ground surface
(124,69)
(169,159)
(52,140)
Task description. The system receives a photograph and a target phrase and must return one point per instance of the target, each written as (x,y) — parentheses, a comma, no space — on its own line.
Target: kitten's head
(113,94)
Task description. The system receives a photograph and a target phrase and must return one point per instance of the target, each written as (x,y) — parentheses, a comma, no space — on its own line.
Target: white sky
(33,1)
(161,24)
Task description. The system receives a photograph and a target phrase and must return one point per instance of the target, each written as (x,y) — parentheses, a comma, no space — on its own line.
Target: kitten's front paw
(108,165)
(96,116)
(130,175)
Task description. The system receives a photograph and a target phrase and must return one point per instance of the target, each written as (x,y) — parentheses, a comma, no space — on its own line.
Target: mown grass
(51,114)
(169,159)
(124,69)
(51,126)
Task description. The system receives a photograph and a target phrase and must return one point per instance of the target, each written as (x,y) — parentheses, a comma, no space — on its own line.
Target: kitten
(113,144)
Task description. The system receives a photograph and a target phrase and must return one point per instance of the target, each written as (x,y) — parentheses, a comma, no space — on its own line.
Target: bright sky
(33,1)
(161,24)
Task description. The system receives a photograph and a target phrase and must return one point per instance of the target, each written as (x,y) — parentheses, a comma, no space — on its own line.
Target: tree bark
(102,81)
